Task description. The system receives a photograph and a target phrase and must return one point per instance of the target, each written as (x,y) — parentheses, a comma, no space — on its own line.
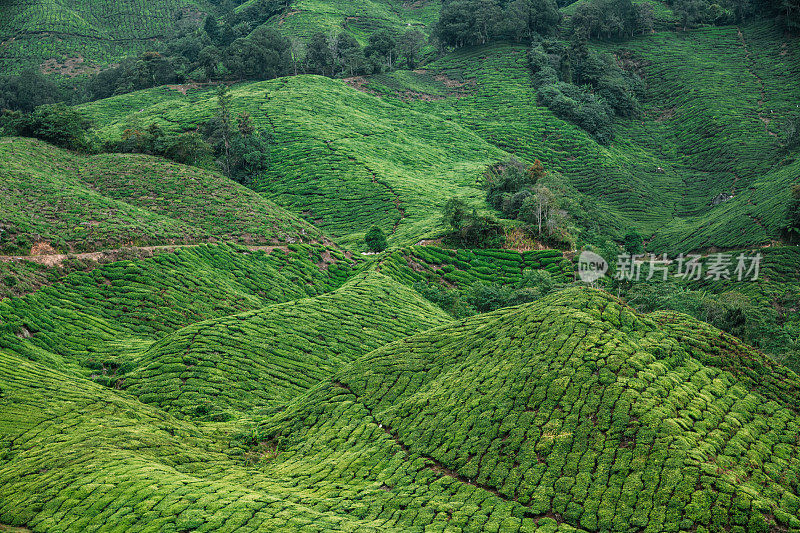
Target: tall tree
(410,45)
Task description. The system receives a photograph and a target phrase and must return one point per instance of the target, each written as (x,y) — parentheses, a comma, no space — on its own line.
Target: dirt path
(759,81)
(52,260)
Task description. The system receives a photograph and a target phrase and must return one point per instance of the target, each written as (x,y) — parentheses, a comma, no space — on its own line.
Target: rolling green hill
(258,359)
(97,322)
(73,202)
(411,139)
(572,413)
(662,171)
(343,159)
(359,18)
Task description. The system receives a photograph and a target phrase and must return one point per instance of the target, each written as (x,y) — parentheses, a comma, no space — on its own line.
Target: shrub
(375,239)
(57,124)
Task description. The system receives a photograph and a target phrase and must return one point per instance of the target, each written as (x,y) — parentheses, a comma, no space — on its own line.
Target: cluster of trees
(220,51)
(339,54)
(515,189)
(231,144)
(56,123)
(207,54)
(469,228)
(612,19)
(720,12)
(29,89)
(471,22)
(188,148)
(583,87)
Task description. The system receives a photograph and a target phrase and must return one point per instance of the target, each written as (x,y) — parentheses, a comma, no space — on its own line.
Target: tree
(375,239)
(58,124)
(224,128)
(538,208)
(349,56)
(298,52)
(382,46)
(318,56)
(208,59)
(410,45)
(633,243)
(27,91)
(249,150)
(188,148)
(262,56)
(455,213)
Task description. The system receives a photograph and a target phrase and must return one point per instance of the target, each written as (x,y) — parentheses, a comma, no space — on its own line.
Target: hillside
(367,304)
(411,139)
(263,358)
(97,322)
(342,159)
(573,412)
(75,38)
(662,171)
(75,203)
(360,19)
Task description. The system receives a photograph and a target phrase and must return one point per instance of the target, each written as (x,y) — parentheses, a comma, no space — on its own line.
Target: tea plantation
(372,318)
(572,413)
(342,159)
(264,358)
(77,203)
(96,321)
(79,37)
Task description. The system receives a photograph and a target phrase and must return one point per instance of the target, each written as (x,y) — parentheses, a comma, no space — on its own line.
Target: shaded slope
(342,159)
(573,409)
(77,202)
(96,320)
(267,357)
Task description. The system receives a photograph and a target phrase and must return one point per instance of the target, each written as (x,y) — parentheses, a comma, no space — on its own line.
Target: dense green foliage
(471,22)
(181,352)
(487,424)
(53,123)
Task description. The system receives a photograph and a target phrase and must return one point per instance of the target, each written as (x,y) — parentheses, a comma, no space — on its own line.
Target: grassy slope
(658,176)
(343,159)
(32,31)
(707,141)
(359,18)
(98,321)
(266,357)
(461,268)
(570,412)
(84,203)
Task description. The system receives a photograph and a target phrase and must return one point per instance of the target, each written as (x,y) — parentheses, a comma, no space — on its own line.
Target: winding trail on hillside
(111,254)
(440,469)
(759,82)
